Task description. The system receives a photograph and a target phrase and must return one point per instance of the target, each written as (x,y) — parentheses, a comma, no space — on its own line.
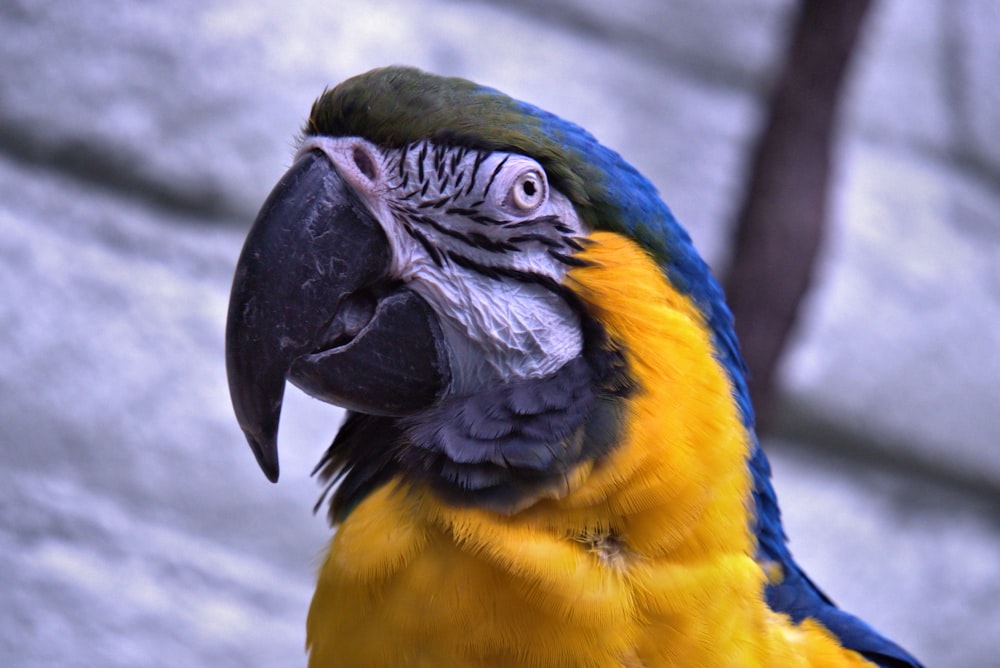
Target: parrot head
(410,267)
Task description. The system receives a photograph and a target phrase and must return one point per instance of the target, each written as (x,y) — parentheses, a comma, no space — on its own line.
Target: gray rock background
(137,141)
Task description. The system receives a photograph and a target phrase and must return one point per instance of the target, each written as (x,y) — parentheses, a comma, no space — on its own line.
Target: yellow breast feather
(646,560)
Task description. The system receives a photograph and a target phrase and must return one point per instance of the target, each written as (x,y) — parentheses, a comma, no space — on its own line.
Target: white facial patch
(499,330)
(482,237)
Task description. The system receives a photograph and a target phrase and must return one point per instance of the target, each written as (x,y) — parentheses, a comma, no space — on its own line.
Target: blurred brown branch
(780,224)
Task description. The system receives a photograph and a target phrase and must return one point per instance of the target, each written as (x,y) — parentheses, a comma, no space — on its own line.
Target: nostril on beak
(364,162)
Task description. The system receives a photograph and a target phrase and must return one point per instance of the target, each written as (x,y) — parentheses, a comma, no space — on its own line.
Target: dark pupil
(529,188)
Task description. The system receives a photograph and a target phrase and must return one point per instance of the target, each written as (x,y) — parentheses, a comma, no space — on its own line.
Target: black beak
(312,302)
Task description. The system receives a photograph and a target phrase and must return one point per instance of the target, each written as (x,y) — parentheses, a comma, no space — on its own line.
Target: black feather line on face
(428,221)
(439,162)
(402,162)
(540,221)
(493,176)
(461,211)
(428,247)
(568,260)
(456,159)
(480,159)
(420,164)
(435,203)
(543,239)
(501,449)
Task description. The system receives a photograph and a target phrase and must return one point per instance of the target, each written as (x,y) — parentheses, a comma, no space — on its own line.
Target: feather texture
(646,559)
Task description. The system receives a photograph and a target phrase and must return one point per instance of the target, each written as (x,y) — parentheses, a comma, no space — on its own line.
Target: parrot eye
(527,192)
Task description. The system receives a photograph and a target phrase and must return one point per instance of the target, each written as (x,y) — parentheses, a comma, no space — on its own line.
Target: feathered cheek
(503,332)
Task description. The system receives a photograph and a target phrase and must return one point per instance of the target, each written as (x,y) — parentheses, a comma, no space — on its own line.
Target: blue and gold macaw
(548,457)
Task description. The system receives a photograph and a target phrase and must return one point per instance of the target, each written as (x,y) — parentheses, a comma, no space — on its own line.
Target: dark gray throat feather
(500,449)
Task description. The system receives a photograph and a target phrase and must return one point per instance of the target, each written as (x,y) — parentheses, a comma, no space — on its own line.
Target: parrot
(548,454)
